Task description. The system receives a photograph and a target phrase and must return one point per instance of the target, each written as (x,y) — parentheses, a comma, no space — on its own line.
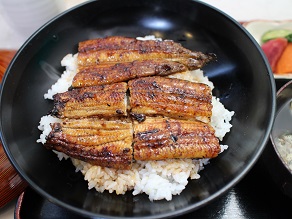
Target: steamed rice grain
(65,81)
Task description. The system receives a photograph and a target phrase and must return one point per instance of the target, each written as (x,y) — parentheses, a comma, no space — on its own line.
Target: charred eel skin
(171,97)
(120,107)
(116,59)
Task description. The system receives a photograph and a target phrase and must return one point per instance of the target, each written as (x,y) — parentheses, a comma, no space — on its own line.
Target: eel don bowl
(279,152)
(242,79)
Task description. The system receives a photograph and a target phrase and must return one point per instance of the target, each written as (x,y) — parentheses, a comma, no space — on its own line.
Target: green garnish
(273,34)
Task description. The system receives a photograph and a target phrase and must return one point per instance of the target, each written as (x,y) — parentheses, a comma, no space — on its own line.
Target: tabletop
(249,191)
(240,10)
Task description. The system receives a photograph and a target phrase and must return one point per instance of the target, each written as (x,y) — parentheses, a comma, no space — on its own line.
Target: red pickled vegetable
(274,49)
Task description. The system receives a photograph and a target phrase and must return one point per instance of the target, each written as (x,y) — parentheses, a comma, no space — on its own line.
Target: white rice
(65,81)
(284,147)
(158,179)
(149,37)
(220,119)
(45,127)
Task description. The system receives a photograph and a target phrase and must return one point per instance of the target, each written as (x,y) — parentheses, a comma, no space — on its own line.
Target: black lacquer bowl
(243,81)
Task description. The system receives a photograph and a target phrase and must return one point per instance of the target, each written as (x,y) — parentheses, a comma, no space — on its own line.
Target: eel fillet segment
(112,73)
(161,138)
(171,97)
(104,100)
(119,56)
(119,49)
(127,43)
(106,143)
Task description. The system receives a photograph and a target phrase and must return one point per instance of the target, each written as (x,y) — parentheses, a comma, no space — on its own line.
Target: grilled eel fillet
(108,141)
(111,73)
(174,98)
(170,97)
(97,141)
(105,100)
(96,127)
(122,49)
(128,43)
(115,59)
(160,138)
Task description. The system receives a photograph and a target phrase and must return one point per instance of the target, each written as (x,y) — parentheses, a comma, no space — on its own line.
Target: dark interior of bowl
(241,77)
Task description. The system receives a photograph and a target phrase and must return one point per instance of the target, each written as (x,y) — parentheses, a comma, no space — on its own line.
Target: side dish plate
(258,28)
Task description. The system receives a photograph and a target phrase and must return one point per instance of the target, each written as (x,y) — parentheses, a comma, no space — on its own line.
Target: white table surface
(240,10)
(244,10)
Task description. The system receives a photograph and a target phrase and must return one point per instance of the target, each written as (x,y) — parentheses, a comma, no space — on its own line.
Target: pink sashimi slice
(273,50)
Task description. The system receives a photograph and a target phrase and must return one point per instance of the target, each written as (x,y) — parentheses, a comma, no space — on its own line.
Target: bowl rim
(177,212)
